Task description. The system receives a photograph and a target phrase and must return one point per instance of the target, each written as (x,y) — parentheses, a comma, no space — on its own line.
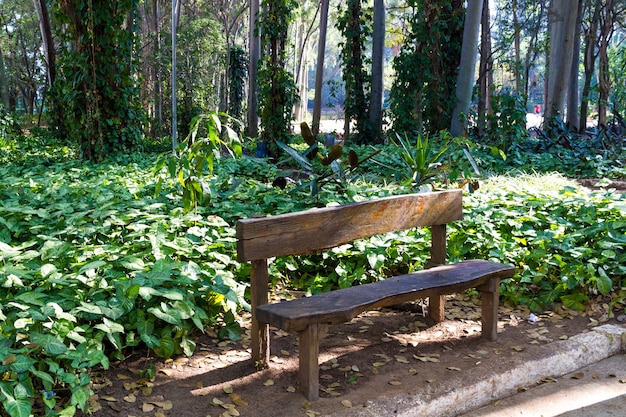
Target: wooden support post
(260,332)
(436,308)
(437,257)
(438,248)
(490,295)
(309,345)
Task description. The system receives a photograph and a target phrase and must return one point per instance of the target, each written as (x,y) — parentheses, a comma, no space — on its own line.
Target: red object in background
(537,109)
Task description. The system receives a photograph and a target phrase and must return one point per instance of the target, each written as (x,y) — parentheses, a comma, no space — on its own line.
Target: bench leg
(309,375)
(436,308)
(260,332)
(490,295)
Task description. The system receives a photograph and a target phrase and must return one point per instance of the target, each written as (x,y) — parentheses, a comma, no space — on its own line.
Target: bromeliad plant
(422,161)
(315,164)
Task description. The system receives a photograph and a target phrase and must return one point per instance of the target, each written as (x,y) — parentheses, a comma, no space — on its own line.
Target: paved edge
(560,358)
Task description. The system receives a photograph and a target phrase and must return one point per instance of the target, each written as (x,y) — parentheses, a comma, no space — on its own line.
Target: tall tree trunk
(4,88)
(253,68)
(517,47)
(604,80)
(486,63)
(378,65)
(572,95)
(532,51)
(589,63)
(563,13)
(49,53)
(465,79)
(319,68)
(158,96)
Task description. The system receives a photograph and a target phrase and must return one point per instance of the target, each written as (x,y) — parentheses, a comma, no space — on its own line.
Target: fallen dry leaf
(165,405)
(122,376)
(453,368)
(108,398)
(228,389)
(269,383)
(395,383)
(346,404)
(130,398)
(237,400)
(291,388)
(147,407)
(578,375)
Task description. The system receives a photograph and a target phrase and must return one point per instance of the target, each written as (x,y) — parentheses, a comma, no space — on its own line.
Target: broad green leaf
(165,313)
(51,344)
(166,347)
(17,408)
(22,364)
(47,269)
(91,265)
(109,326)
(604,282)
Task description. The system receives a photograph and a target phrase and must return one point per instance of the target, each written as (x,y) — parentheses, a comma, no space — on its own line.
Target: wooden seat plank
(343,305)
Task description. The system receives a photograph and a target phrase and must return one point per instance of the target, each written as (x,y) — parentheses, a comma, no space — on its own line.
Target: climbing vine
(237,74)
(96,85)
(355,24)
(277,89)
(422,96)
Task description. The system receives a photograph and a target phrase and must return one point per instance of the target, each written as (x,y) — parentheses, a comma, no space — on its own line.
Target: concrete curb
(558,359)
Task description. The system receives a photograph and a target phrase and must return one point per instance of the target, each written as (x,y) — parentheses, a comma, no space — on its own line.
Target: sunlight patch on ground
(530,183)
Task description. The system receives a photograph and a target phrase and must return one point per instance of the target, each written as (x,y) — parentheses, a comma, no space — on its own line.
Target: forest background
(118,203)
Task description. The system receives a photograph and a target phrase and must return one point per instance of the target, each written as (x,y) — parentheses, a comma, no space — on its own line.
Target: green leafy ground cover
(94,265)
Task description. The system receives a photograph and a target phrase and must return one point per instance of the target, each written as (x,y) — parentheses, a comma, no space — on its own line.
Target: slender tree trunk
(4,88)
(564,13)
(517,47)
(466,78)
(589,63)
(486,63)
(378,65)
(572,95)
(604,80)
(158,74)
(319,68)
(253,68)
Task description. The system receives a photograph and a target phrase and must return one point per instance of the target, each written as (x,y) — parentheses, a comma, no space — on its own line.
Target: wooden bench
(316,230)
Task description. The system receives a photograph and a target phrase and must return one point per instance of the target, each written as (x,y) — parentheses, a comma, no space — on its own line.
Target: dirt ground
(381,352)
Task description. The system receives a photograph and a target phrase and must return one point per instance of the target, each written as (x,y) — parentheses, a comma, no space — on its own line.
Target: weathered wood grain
(343,305)
(316,230)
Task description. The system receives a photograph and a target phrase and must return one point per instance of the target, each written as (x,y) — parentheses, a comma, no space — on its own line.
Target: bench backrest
(316,230)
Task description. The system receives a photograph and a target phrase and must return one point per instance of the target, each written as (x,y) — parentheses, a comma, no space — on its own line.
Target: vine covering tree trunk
(423,93)
(277,90)
(254,42)
(604,80)
(103,112)
(354,22)
(484,72)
